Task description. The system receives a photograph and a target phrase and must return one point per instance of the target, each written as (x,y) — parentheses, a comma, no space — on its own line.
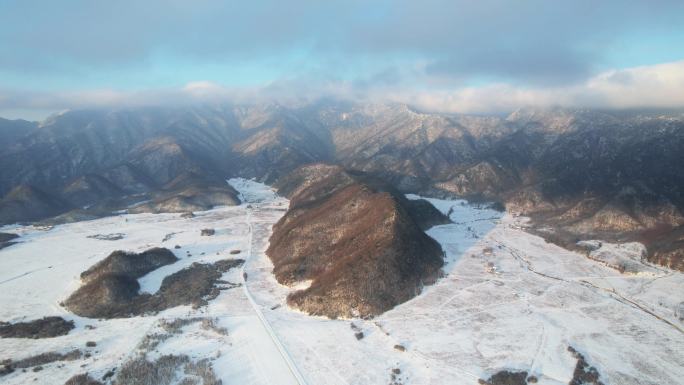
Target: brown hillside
(356,239)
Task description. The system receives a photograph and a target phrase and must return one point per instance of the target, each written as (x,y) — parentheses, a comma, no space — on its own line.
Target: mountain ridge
(586,173)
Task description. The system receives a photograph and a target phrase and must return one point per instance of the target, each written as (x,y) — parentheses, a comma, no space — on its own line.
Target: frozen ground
(507,300)
(629,258)
(39,273)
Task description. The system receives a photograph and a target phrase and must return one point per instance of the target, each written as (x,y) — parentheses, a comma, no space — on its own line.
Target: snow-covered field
(507,300)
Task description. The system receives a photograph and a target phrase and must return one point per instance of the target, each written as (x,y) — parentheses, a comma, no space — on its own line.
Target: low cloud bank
(656,86)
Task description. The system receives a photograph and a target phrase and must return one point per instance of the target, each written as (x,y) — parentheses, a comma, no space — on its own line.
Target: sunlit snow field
(507,300)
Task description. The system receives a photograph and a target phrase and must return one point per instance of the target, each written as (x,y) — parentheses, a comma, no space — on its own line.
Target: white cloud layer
(657,86)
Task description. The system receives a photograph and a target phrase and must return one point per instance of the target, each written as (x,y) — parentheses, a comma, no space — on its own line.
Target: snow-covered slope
(41,271)
(507,300)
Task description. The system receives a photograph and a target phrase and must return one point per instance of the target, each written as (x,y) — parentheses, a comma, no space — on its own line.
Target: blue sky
(71,54)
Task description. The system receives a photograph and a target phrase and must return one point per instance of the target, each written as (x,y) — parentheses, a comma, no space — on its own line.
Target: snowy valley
(507,300)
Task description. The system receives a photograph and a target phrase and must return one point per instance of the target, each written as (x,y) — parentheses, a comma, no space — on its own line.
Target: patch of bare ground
(116,295)
(46,327)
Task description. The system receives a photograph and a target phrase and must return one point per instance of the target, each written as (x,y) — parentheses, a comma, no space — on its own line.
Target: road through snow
(299,379)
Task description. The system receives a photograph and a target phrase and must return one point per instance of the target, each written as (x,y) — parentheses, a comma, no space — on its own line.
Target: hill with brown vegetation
(665,246)
(111,290)
(357,239)
(131,265)
(27,203)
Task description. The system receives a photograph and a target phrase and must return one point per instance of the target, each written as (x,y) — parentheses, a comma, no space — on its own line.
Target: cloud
(657,86)
(59,45)
(650,86)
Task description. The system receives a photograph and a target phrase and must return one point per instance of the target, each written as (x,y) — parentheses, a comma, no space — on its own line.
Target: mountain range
(578,174)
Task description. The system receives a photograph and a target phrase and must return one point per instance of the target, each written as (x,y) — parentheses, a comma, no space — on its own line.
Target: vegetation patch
(167,370)
(8,366)
(357,331)
(425,214)
(107,237)
(584,374)
(395,377)
(82,379)
(41,328)
(210,324)
(116,295)
(168,237)
(357,239)
(6,239)
(207,232)
(175,326)
(130,265)
(506,377)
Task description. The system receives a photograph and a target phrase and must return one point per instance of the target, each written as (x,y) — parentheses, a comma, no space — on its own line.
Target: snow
(628,257)
(252,192)
(470,223)
(507,300)
(41,271)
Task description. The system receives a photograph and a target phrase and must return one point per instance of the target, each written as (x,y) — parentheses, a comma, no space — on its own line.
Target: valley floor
(508,300)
